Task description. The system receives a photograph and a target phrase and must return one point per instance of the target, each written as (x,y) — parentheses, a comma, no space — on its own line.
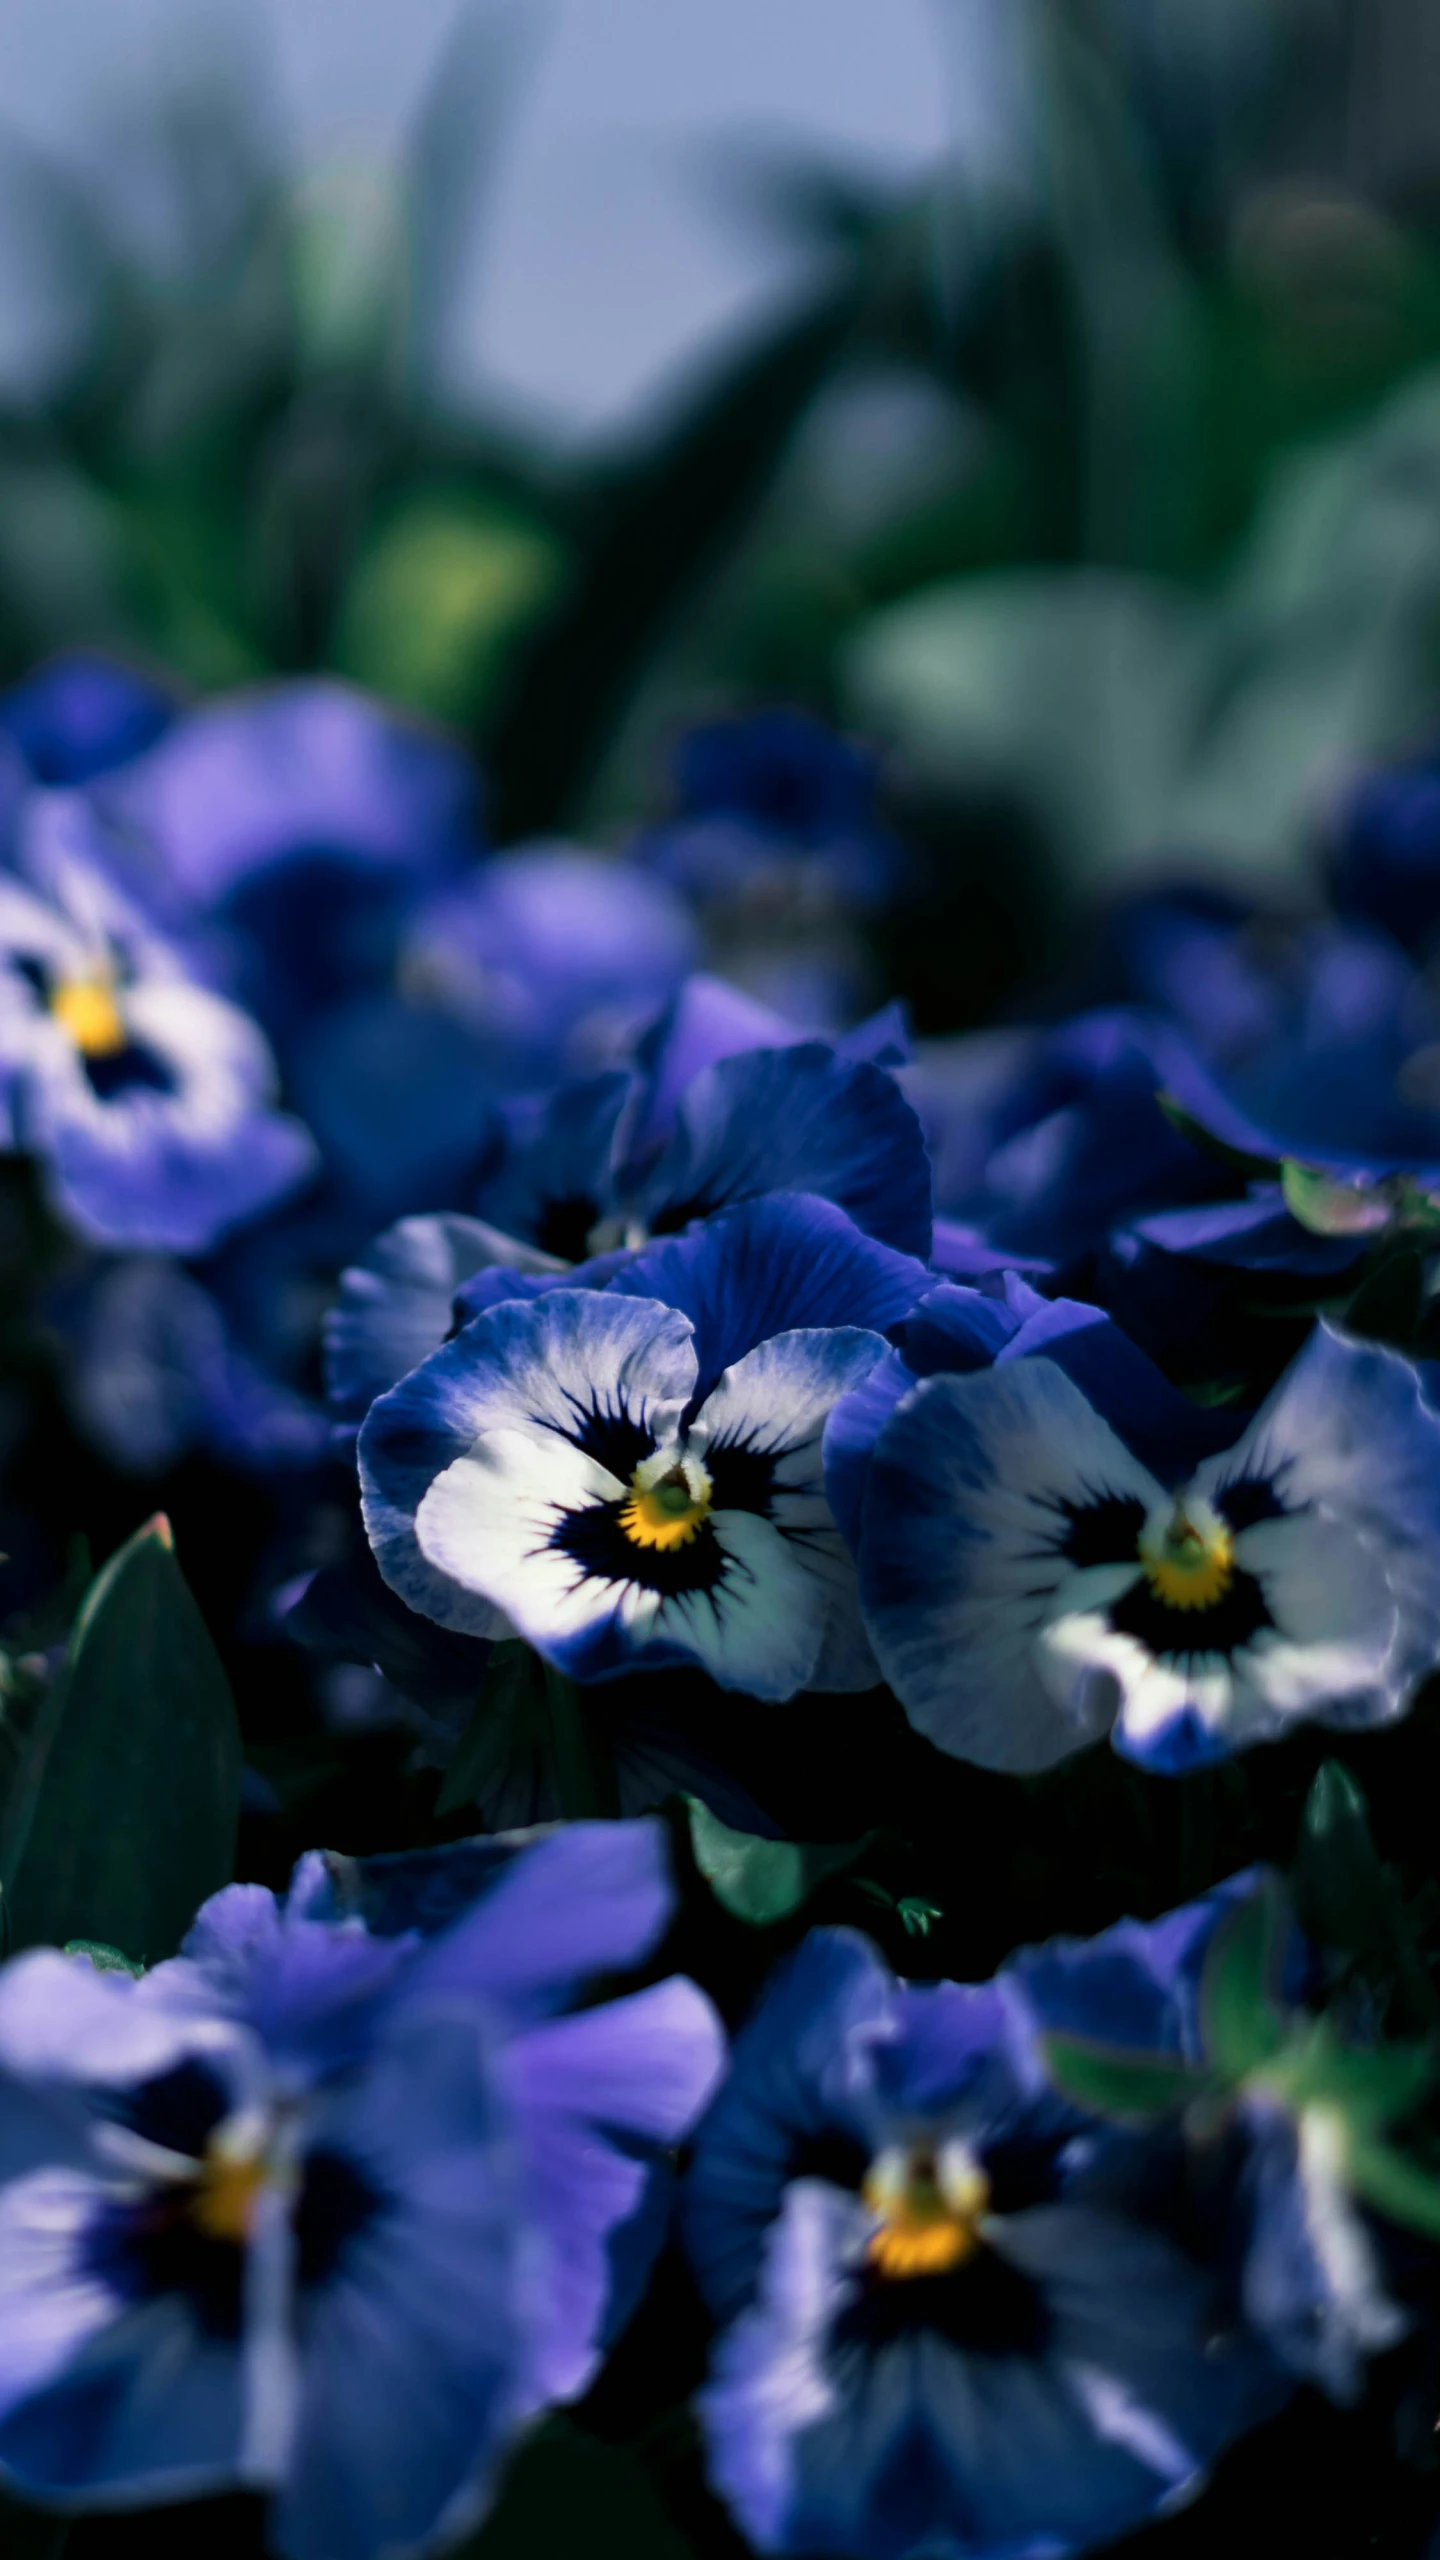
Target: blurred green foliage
(1103,490)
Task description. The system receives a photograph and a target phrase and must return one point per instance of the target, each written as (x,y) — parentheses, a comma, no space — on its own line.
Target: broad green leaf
(763,1881)
(1106,2080)
(1241,2025)
(123,1814)
(568,2497)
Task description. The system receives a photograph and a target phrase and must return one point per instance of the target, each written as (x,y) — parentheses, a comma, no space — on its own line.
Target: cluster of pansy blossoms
(710,1488)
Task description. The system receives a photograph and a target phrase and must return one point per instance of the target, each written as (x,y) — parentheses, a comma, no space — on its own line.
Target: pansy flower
(148,1099)
(301,821)
(330,2215)
(82,714)
(633,1474)
(614,1159)
(551,956)
(1029,1584)
(945,2327)
(1264,2175)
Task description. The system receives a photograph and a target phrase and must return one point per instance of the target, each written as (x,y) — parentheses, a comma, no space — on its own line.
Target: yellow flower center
(930,2208)
(87,1010)
(669,1501)
(1189,1558)
(223,2204)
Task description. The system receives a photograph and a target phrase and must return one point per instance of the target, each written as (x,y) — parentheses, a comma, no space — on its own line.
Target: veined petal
(797,1119)
(395,1304)
(785,1264)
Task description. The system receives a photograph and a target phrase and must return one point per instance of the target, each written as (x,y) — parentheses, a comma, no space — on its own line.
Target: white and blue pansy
(147,1098)
(1028,1584)
(634,1474)
(947,2329)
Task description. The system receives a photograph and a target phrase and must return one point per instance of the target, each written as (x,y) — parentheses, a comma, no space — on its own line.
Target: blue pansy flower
(1029,1584)
(1268,2179)
(633,1474)
(776,836)
(578,1175)
(155,1371)
(772,807)
(552,957)
(148,1099)
(943,2333)
(327,2214)
(1346,1079)
(81,715)
(1044,1141)
(301,821)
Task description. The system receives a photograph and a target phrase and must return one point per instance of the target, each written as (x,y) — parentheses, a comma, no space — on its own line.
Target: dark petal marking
(615,1440)
(832,2155)
(1248,1500)
(146,2250)
(986,2307)
(132,1069)
(595,1541)
(1105,1531)
(1022,2173)
(337,2202)
(177,2111)
(1177,1634)
(743,1477)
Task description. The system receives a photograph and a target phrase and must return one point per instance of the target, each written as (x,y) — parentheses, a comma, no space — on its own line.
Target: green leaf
(1107,2080)
(1241,2024)
(569,2497)
(762,1881)
(1386,1307)
(1370,2087)
(104,1959)
(1341,1893)
(123,1814)
(1347,1898)
(1394,2186)
(509,1697)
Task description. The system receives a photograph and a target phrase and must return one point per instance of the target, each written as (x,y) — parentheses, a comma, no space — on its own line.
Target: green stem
(1197,1833)
(586,1786)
